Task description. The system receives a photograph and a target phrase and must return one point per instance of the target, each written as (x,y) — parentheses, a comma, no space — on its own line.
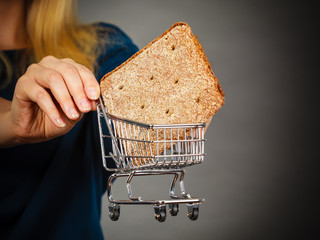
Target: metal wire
(141,146)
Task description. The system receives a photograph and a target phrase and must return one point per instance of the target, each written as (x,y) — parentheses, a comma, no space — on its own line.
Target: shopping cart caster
(193,211)
(114,212)
(160,212)
(174,209)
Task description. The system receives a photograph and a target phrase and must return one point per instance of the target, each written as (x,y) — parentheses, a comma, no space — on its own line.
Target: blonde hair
(53,29)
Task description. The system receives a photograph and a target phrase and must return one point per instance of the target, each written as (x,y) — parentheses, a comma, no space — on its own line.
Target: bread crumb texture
(169,81)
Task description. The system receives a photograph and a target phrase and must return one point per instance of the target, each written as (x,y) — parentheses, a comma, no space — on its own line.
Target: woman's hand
(50,98)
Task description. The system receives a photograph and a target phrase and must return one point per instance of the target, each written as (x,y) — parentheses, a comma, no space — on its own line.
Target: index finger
(90,83)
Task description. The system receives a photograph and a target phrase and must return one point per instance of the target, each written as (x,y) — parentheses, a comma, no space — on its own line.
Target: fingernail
(73,113)
(60,122)
(85,105)
(93,94)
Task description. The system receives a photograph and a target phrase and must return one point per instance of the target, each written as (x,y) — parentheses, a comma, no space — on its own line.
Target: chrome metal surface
(140,149)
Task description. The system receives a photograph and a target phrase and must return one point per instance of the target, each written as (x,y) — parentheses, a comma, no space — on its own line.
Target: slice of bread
(170,81)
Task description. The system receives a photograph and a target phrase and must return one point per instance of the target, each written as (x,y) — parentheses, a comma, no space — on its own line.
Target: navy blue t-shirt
(53,189)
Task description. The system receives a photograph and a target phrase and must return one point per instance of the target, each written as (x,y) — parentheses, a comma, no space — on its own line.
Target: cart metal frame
(140,149)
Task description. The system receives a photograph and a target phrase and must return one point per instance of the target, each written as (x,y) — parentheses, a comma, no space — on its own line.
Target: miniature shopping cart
(140,149)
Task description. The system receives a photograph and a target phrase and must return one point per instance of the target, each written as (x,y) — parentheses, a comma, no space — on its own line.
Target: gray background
(257,178)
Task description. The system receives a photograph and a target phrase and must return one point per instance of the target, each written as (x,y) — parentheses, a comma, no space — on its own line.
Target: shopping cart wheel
(114,212)
(193,211)
(160,212)
(174,209)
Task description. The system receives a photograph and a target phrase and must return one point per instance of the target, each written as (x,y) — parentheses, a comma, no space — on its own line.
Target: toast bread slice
(170,81)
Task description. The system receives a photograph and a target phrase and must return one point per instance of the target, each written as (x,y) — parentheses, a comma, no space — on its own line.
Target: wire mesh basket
(140,149)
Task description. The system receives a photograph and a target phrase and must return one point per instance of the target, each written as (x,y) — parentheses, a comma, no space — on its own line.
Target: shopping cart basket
(140,149)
